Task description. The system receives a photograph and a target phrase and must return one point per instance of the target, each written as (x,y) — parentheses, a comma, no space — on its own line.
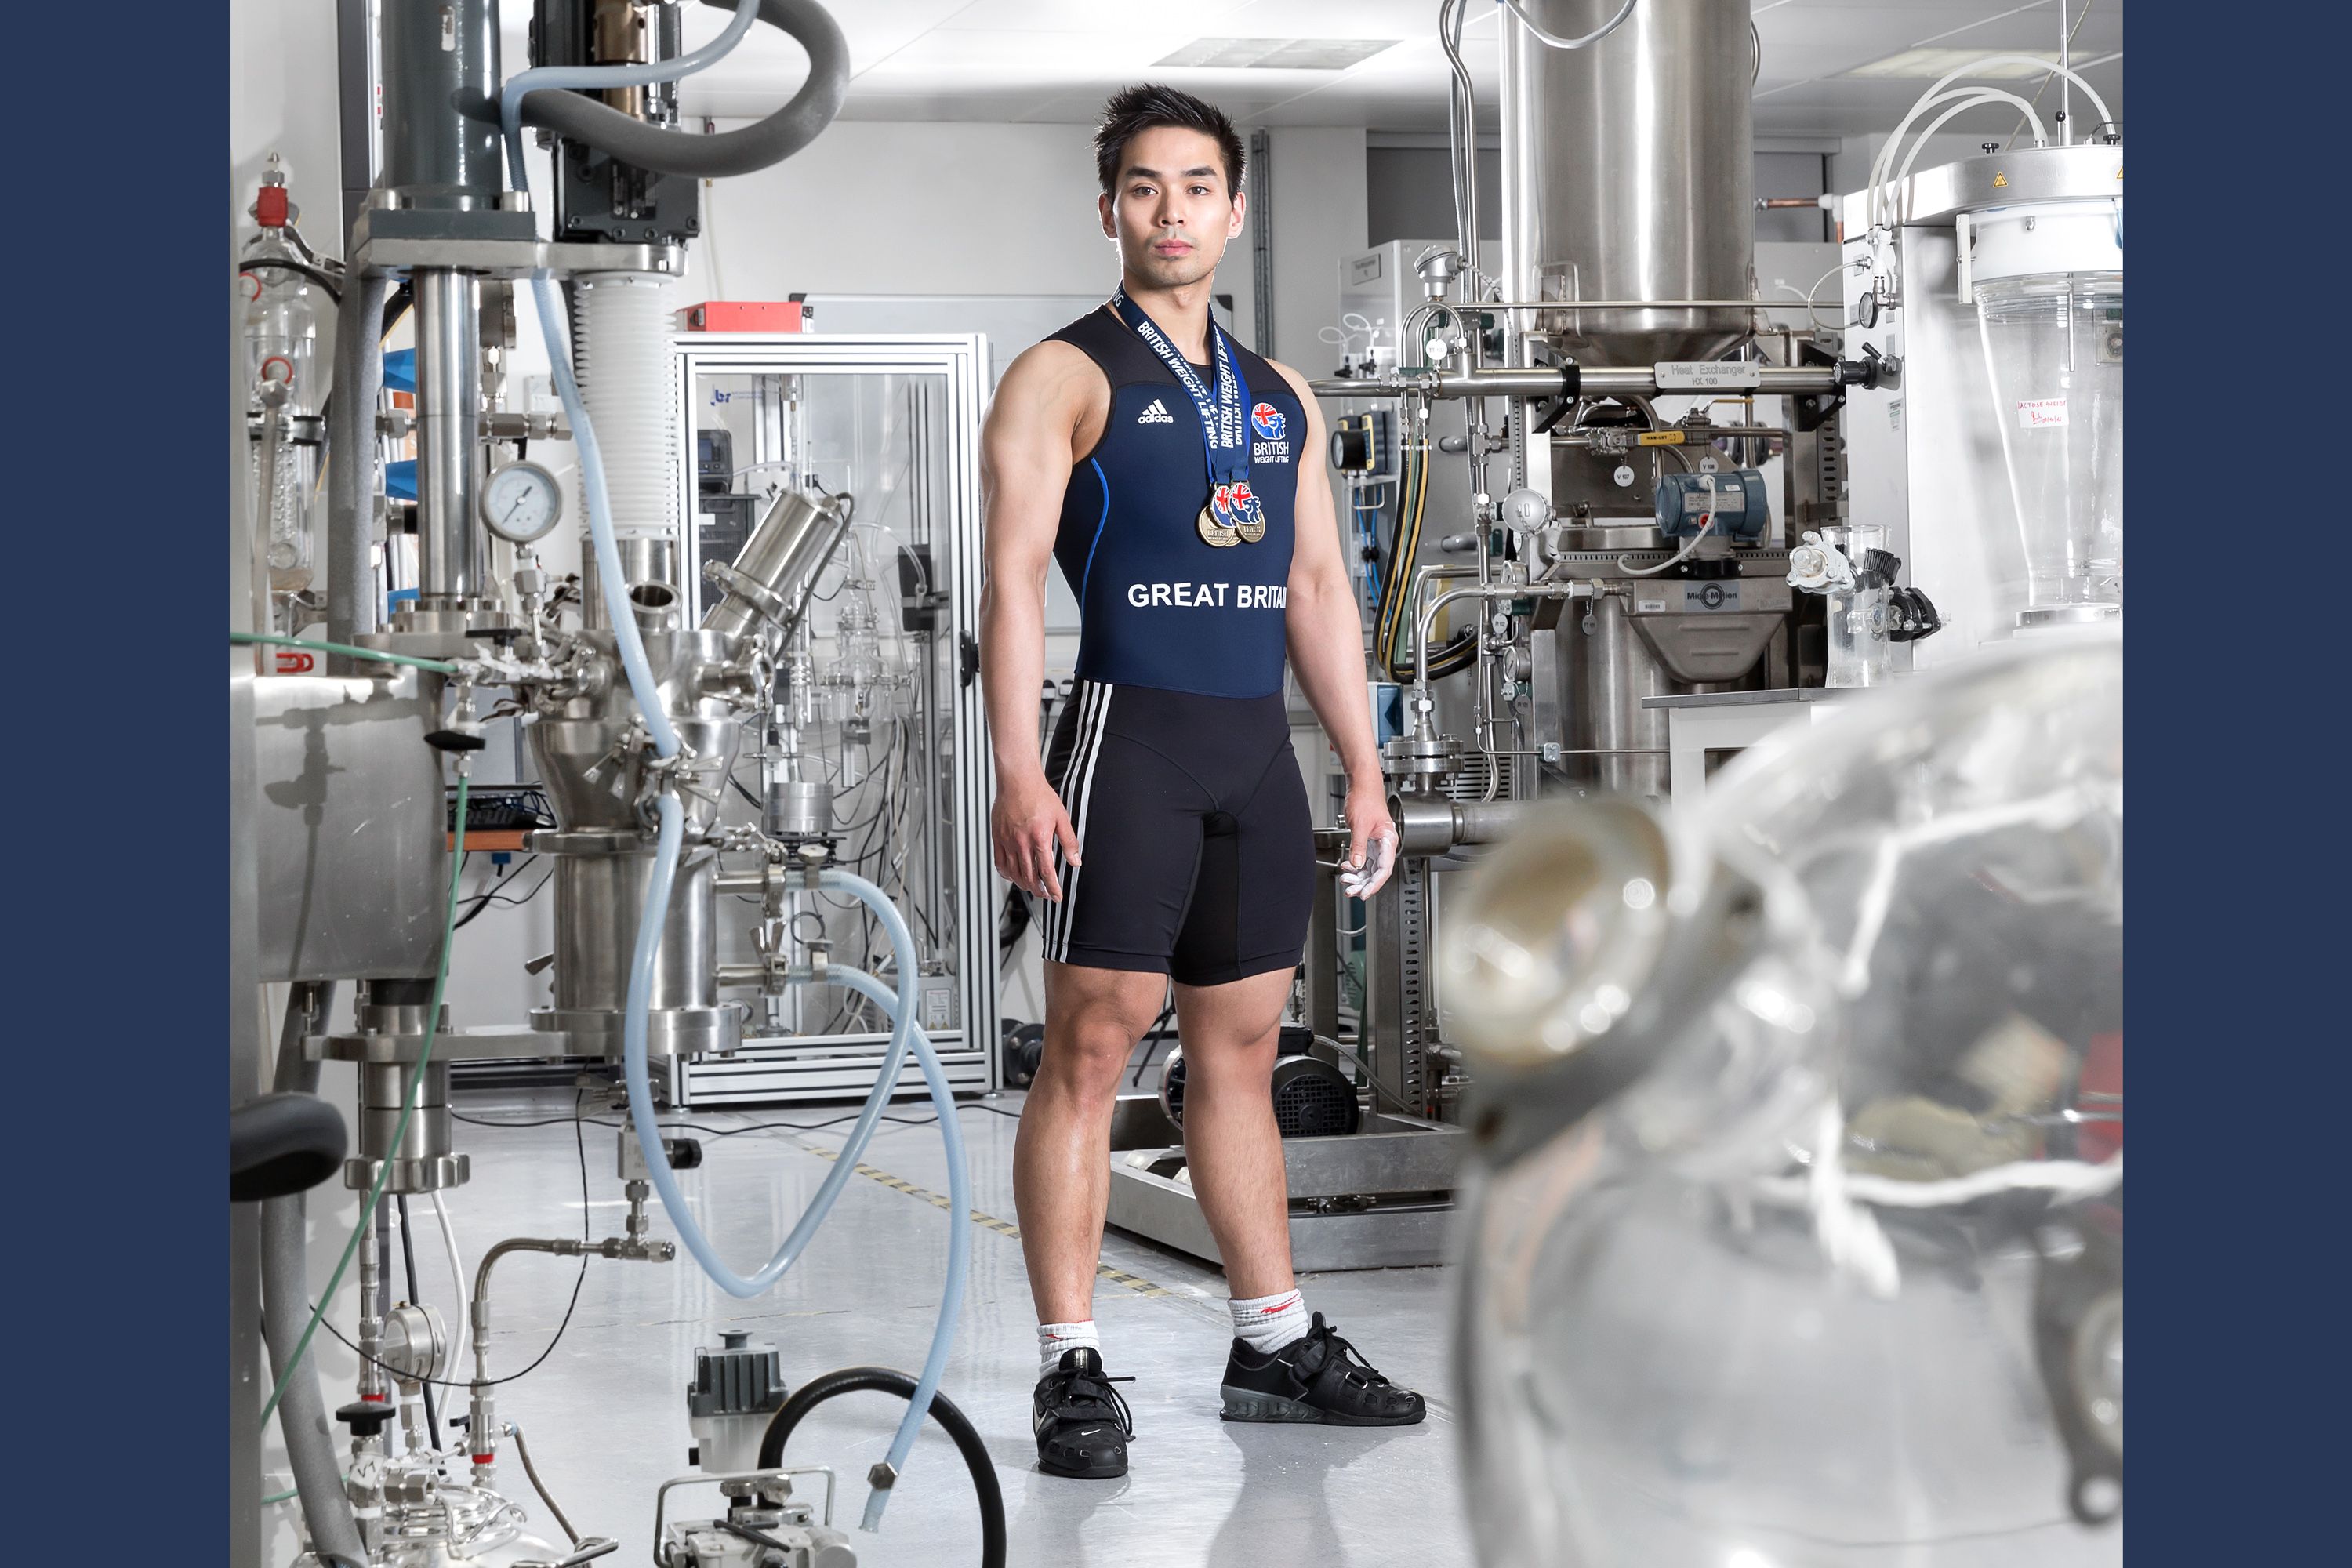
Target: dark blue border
(2236,712)
(117,328)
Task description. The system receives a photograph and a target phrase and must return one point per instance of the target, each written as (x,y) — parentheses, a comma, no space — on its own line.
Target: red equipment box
(747,316)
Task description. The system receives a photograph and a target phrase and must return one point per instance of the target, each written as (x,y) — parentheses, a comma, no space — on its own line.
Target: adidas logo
(1155,414)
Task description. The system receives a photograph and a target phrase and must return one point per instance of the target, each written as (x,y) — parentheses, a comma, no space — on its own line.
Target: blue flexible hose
(635,1067)
(900,1006)
(670,835)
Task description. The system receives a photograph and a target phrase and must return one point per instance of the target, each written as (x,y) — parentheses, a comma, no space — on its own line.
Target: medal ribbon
(1224,418)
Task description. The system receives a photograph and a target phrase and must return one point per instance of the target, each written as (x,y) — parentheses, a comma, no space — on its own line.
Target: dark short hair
(1132,110)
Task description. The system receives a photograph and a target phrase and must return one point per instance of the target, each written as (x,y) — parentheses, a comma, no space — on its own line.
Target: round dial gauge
(521,502)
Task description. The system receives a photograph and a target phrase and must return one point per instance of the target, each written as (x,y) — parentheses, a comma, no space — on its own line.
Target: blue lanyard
(1224,424)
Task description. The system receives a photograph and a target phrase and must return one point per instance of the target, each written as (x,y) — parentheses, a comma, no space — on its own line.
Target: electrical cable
(331,287)
(885,1380)
(399,1128)
(1705,523)
(415,1297)
(1371,1078)
(495,896)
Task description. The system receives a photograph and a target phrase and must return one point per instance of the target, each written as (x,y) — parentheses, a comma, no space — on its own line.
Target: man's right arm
(1025,452)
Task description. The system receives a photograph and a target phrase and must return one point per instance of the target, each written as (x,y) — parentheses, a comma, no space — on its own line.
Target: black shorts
(1198,851)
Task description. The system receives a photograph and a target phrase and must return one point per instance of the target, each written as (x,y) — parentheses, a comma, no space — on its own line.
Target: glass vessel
(2054,349)
(1798,1237)
(1856,614)
(281,337)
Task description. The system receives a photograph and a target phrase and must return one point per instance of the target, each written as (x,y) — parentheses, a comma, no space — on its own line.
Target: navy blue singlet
(1174,755)
(1159,605)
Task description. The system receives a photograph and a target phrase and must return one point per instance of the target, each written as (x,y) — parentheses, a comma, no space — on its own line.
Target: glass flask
(281,341)
(2054,349)
(1797,1230)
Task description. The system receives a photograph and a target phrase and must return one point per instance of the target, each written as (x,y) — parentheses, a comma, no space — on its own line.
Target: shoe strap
(1097,1396)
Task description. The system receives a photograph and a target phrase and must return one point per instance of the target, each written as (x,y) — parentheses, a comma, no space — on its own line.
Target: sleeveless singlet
(1159,605)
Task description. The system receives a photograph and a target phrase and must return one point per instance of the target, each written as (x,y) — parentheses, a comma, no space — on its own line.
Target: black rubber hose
(577,117)
(332,287)
(883,1380)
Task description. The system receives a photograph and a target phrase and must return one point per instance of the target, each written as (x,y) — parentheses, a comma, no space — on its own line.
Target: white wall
(861,212)
(1319,217)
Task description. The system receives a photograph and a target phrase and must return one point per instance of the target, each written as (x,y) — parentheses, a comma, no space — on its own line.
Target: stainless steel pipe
(770,577)
(1773,381)
(1431,825)
(448,412)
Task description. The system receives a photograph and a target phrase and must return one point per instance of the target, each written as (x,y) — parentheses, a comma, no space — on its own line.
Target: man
(1174,477)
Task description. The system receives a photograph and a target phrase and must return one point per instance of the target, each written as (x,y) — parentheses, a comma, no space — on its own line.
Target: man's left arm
(1326,635)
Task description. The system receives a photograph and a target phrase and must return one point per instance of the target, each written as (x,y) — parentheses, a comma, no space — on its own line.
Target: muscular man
(1174,477)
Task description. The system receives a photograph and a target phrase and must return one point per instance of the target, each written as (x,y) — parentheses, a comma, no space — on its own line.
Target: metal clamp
(586,1550)
(783,1473)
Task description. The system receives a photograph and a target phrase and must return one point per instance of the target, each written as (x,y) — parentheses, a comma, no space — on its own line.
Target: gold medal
(1214,532)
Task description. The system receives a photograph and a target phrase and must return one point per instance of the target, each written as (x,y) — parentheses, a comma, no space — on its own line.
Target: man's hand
(1024,825)
(1369,821)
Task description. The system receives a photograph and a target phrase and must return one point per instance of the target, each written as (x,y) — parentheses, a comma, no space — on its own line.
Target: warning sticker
(2040,413)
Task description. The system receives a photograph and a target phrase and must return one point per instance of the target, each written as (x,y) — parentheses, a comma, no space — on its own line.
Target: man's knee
(1091,1053)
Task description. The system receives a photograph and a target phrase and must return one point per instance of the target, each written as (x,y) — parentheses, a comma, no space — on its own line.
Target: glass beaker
(1857,613)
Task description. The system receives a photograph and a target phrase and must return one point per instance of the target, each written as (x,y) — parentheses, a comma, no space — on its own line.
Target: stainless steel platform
(1382,1198)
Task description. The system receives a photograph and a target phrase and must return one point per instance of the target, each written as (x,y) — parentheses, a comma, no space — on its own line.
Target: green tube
(408,1105)
(438,667)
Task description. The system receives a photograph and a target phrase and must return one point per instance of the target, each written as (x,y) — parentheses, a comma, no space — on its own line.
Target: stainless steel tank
(1628,174)
(592,764)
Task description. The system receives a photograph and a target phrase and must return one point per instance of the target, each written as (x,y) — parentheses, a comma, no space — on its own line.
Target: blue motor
(1738,503)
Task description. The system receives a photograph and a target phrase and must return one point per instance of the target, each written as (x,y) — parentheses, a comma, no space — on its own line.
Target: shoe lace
(1087,1396)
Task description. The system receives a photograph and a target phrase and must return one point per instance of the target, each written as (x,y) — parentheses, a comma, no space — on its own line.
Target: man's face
(1171,211)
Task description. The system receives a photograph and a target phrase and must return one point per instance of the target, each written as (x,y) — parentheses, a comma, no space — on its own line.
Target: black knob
(454,741)
(365,1417)
(685,1153)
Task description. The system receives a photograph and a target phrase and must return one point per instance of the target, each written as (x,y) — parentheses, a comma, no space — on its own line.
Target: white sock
(1266,1323)
(1053,1338)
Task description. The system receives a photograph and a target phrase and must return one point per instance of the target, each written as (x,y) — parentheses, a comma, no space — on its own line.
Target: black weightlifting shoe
(1320,1378)
(1082,1424)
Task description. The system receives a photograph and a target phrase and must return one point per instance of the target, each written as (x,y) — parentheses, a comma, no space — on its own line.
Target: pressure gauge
(521,502)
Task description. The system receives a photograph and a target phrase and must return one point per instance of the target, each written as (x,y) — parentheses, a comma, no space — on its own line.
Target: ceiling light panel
(1928,63)
(1277,54)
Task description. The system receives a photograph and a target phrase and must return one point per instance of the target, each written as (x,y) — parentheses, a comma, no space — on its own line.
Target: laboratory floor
(606,1418)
